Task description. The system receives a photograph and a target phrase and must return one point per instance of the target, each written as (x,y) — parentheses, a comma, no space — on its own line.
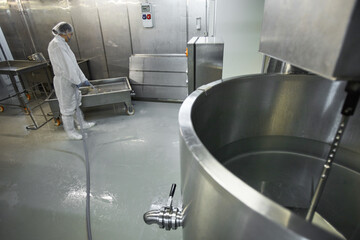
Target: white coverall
(67,75)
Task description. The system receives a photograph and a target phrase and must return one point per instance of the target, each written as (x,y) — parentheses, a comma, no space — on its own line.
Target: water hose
(87,164)
(94,88)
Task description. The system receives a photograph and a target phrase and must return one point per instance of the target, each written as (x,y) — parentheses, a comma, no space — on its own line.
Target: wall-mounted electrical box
(146,12)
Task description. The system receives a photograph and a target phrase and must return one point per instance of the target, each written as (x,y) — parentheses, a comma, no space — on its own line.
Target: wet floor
(133,160)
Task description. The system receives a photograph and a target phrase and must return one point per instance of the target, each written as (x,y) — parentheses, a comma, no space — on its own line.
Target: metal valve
(166,217)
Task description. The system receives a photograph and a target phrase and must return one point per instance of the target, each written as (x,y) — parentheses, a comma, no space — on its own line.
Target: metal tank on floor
(252,150)
(277,156)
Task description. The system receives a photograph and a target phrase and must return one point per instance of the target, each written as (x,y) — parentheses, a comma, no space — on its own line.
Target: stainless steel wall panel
(169,32)
(42,16)
(116,34)
(196,9)
(89,35)
(151,62)
(14,30)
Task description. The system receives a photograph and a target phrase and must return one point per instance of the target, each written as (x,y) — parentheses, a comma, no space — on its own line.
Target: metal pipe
(214,24)
(187,20)
(326,169)
(128,17)
(206,18)
(72,22)
(349,106)
(263,64)
(102,40)
(23,13)
(3,52)
(285,68)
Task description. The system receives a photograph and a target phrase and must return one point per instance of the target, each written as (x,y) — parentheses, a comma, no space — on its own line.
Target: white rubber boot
(68,122)
(80,117)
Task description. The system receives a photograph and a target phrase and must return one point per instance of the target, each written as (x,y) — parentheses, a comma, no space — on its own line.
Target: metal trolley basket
(108,91)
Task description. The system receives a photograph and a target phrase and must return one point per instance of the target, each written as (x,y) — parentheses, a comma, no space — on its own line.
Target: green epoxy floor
(134,160)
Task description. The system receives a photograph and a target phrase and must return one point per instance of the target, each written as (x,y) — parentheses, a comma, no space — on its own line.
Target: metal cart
(17,68)
(108,91)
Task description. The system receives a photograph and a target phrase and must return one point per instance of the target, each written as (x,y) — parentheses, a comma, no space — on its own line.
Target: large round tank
(252,149)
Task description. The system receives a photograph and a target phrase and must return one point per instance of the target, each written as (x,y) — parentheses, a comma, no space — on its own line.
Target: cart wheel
(26,111)
(130,110)
(57,122)
(28,96)
(1,109)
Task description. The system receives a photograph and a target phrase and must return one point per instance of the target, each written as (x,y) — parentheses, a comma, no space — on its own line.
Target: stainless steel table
(17,68)
(14,68)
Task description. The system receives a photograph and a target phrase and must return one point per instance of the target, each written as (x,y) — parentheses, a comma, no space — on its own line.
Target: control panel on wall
(147,15)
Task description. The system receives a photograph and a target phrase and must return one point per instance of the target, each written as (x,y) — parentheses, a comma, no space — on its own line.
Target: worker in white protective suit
(68,78)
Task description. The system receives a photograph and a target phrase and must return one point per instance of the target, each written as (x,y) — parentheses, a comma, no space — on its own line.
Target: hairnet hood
(62,28)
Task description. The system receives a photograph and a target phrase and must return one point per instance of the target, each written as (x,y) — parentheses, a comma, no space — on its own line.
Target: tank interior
(274,133)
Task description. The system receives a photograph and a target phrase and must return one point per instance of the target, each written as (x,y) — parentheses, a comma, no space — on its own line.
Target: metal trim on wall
(131,41)
(102,39)
(22,13)
(77,41)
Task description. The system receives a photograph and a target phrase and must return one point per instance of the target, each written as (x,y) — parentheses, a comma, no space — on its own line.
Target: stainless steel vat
(252,149)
